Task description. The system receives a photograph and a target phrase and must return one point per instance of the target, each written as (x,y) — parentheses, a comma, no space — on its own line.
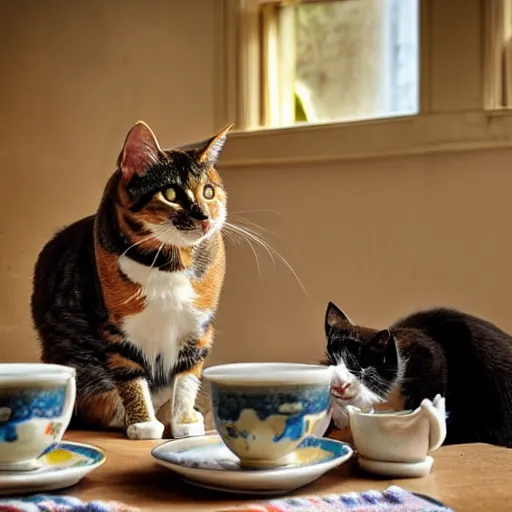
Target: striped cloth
(393,499)
(47,503)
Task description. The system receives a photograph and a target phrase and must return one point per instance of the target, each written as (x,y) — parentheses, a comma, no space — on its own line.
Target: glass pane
(355,59)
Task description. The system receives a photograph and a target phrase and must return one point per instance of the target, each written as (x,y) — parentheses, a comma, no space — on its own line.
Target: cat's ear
(139,152)
(334,316)
(380,341)
(209,151)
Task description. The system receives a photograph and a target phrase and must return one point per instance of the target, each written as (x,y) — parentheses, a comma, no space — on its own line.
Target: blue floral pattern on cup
(19,405)
(294,402)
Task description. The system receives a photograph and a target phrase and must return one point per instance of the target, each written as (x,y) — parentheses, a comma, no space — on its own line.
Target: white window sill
(424,133)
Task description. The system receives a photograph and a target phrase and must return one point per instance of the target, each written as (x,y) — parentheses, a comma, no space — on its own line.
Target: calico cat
(463,358)
(127,296)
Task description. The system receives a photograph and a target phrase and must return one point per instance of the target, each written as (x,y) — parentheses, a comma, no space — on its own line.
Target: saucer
(62,465)
(397,469)
(205,461)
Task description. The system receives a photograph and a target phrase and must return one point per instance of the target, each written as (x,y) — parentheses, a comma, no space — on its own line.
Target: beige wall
(380,237)
(73,77)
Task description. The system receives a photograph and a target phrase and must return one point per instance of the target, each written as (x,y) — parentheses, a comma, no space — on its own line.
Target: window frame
(450,117)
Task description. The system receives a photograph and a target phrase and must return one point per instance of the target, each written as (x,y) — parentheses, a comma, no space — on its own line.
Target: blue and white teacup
(36,404)
(263,411)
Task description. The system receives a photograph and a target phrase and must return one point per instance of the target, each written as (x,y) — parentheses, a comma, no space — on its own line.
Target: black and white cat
(439,351)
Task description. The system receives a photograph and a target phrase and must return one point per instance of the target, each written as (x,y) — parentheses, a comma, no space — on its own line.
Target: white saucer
(63,465)
(397,469)
(205,461)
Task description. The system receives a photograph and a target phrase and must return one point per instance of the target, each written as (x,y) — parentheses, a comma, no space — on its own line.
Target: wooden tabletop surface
(468,478)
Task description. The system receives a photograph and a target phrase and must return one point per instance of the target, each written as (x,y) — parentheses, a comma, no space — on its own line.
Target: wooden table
(468,478)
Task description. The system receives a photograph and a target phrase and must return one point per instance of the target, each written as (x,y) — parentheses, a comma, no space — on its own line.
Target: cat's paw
(145,430)
(189,428)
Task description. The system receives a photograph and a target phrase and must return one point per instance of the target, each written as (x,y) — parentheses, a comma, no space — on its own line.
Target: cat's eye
(208,192)
(170,194)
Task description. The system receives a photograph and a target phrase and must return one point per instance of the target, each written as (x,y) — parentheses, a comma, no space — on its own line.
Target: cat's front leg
(185,421)
(140,421)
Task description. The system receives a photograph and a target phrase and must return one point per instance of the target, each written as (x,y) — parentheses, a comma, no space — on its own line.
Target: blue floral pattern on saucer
(64,455)
(205,461)
(61,466)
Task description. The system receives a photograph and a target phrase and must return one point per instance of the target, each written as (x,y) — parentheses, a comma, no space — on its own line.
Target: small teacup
(36,404)
(263,411)
(398,443)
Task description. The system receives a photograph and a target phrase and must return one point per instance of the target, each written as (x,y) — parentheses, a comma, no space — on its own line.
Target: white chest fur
(169,316)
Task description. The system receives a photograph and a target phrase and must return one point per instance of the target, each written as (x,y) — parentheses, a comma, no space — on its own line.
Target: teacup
(263,411)
(398,443)
(36,404)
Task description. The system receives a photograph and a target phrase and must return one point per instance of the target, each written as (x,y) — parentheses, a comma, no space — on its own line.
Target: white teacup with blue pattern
(263,411)
(36,404)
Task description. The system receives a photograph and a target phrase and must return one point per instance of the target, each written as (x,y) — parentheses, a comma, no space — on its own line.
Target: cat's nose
(340,390)
(205,225)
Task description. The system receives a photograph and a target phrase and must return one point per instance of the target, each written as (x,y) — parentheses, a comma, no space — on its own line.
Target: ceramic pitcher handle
(437,417)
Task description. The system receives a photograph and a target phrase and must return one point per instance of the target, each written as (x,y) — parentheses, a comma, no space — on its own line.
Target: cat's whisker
(231,235)
(239,218)
(378,387)
(152,267)
(146,239)
(248,233)
(153,271)
(263,210)
(271,250)
(136,295)
(228,236)
(228,227)
(410,379)
(378,384)
(162,232)
(352,360)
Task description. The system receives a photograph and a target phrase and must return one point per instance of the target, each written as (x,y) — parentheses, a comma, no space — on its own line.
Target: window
(498,53)
(340,60)
(331,61)
(404,77)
